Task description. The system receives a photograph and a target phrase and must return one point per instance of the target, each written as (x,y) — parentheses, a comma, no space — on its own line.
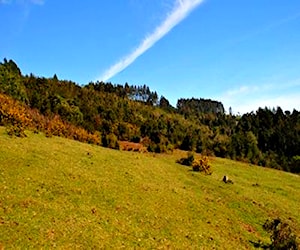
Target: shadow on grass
(260,245)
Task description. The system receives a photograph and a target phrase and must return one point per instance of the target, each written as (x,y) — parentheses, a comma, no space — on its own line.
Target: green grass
(61,193)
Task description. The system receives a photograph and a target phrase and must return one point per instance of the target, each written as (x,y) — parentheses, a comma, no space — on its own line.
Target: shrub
(295,164)
(282,237)
(199,165)
(17,117)
(110,141)
(202,165)
(13,115)
(187,161)
(16,130)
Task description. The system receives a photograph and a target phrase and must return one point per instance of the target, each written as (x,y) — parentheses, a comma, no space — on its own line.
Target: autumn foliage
(14,116)
(106,113)
(202,165)
(198,164)
(132,146)
(17,117)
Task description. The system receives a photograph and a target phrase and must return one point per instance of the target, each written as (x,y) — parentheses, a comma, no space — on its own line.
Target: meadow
(56,192)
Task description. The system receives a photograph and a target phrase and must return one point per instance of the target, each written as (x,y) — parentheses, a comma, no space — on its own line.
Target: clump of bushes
(199,164)
(202,165)
(18,117)
(282,237)
(15,130)
(13,115)
(187,161)
(110,141)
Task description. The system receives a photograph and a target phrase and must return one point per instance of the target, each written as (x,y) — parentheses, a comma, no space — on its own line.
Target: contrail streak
(181,10)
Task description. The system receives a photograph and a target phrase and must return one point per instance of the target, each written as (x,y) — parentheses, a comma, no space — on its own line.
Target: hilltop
(56,192)
(106,113)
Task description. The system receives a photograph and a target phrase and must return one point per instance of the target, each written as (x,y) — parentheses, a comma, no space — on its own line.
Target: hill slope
(104,113)
(58,192)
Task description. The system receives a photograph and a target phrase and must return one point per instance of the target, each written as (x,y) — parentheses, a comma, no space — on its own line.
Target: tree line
(267,137)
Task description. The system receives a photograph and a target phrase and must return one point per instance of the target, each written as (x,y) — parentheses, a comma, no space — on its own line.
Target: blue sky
(244,53)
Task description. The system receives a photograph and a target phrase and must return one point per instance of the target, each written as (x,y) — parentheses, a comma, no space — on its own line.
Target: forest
(106,113)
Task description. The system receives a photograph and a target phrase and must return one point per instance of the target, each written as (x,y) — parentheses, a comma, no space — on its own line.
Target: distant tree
(295,164)
(196,107)
(11,81)
(269,137)
(165,104)
(230,111)
(110,141)
(55,78)
(252,151)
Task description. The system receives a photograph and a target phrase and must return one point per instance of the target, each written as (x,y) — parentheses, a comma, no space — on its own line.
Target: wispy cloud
(37,2)
(180,11)
(286,102)
(248,98)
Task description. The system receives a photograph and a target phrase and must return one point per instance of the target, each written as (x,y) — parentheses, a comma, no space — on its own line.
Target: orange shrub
(17,117)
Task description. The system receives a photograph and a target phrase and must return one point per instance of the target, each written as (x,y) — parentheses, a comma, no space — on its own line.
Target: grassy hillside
(58,192)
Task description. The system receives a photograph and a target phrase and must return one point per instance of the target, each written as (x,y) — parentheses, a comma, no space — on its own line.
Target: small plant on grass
(282,237)
(187,161)
(198,164)
(202,165)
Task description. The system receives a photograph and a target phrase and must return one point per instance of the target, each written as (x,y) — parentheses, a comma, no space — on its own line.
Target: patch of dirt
(132,146)
(249,228)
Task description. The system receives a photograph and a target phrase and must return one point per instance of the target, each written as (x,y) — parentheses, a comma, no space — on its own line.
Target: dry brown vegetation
(17,117)
(132,146)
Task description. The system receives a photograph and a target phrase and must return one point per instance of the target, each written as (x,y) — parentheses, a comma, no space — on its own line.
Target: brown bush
(17,117)
(198,164)
(132,146)
(202,165)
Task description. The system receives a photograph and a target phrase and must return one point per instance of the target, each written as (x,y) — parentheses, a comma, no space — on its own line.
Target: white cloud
(248,98)
(246,90)
(181,10)
(286,102)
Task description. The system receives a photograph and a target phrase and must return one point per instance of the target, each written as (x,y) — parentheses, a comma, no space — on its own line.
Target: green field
(61,193)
